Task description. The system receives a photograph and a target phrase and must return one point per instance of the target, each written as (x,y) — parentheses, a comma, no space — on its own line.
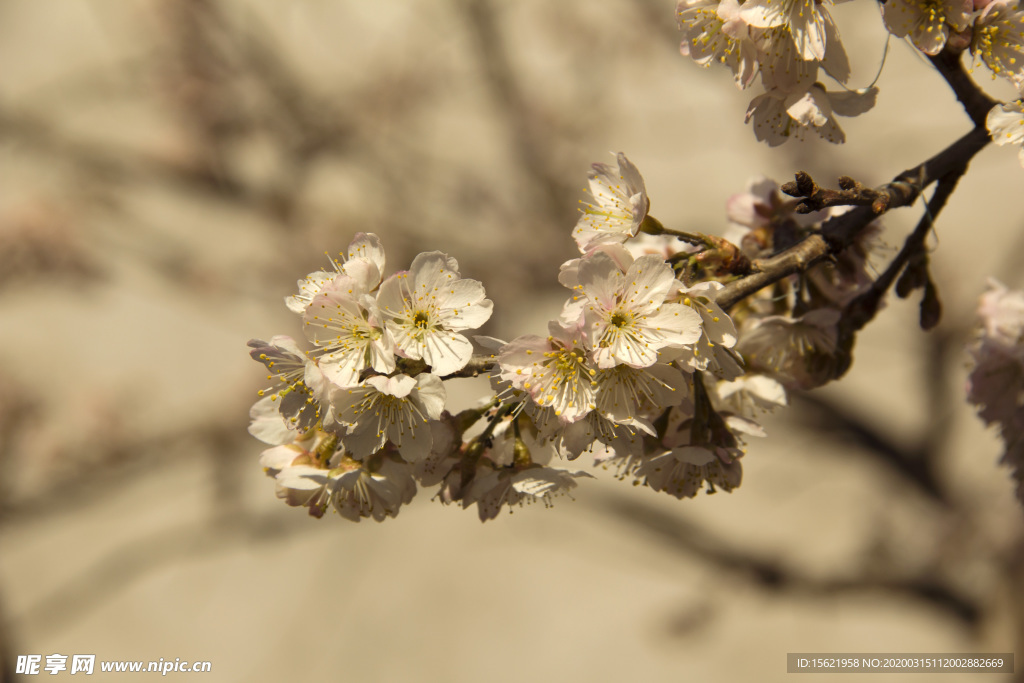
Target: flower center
(935,12)
(620,319)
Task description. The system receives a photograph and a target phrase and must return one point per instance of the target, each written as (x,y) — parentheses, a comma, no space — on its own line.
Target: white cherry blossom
(618,208)
(376,491)
(364,263)
(267,424)
(556,372)
(626,314)
(996,382)
(927,22)
(807,21)
(779,116)
(713,351)
(309,287)
(510,486)
(714,31)
(299,385)
(626,400)
(1002,314)
(300,469)
(355,490)
(749,395)
(628,395)
(797,352)
(997,39)
(344,322)
(783,68)
(306,486)
(315,448)
(1005,123)
(396,409)
(684,471)
(600,436)
(569,276)
(426,308)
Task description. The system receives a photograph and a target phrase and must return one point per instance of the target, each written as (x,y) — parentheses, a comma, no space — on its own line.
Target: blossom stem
(520,452)
(469,417)
(475,366)
(499,415)
(701,410)
(652,226)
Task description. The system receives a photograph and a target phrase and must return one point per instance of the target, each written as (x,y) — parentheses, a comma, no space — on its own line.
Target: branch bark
(975,102)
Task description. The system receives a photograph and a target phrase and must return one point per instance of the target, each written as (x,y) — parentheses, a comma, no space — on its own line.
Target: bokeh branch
(777,576)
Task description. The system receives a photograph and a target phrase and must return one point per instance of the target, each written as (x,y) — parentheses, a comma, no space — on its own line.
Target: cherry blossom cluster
(788,43)
(996,383)
(641,370)
(350,419)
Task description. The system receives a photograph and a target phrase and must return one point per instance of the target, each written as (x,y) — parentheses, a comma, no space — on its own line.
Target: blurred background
(170,168)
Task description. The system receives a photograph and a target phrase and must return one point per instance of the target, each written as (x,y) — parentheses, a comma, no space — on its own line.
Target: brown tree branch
(838,232)
(863,308)
(976,103)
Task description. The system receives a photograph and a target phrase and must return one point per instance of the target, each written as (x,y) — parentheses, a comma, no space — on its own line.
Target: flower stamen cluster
(997,39)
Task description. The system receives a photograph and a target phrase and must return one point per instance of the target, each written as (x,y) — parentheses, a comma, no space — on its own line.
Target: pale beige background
(156,204)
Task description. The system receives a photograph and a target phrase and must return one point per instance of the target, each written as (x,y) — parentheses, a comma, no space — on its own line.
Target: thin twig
(864,307)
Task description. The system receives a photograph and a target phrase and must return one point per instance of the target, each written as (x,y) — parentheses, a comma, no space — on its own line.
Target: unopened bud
(805,184)
(847,183)
(931,307)
(521,454)
(914,277)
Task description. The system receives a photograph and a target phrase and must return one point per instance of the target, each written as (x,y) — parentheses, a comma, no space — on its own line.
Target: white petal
(853,102)
(445,352)
(601,279)
(268,425)
(431,391)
